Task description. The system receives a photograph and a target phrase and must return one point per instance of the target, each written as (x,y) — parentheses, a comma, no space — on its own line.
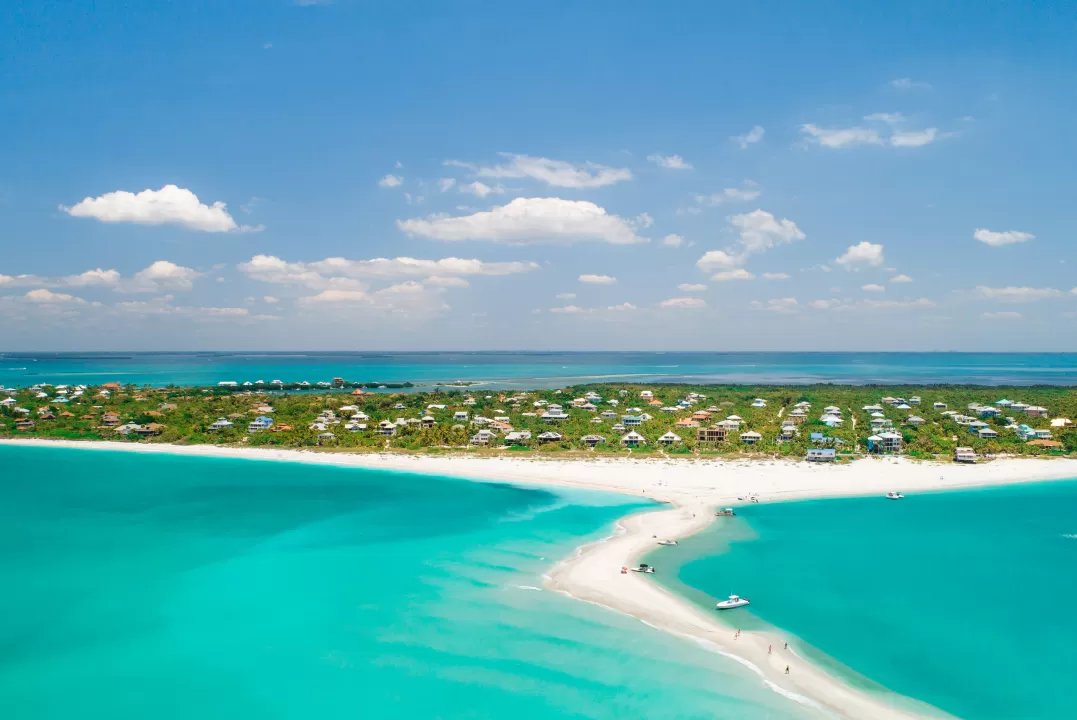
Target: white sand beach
(693,488)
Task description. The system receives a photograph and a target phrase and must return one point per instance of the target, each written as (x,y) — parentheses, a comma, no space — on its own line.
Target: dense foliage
(186,414)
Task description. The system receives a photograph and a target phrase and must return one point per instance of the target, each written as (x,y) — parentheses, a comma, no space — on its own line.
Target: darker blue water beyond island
(964,600)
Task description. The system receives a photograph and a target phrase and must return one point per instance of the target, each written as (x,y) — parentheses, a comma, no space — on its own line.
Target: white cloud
(749,138)
(556,173)
(170,205)
(1018,294)
(671,162)
(335,296)
(1004,315)
(841,137)
(909,84)
(672,240)
(691,287)
(390,181)
(622,307)
(717,260)
(825,304)
(567,309)
(445,184)
(481,190)
(898,279)
(873,287)
(898,304)
(914,138)
(566,296)
(729,195)
(161,275)
(760,231)
(1005,237)
(598,279)
(446,282)
(862,255)
(888,118)
(775,276)
(90,278)
(643,220)
(341,273)
(682,303)
(270,299)
(529,220)
(45,296)
(737,274)
(778,305)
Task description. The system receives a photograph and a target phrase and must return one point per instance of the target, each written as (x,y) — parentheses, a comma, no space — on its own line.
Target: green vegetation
(185,415)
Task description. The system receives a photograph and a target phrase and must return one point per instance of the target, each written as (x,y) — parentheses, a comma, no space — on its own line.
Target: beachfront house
(669,438)
(220,424)
(964,455)
(714,434)
(483,437)
(24,424)
(987,433)
(262,422)
(750,438)
(548,437)
(885,442)
(1025,432)
(386,428)
(518,437)
(633,439)
(592,440)
(822,454)
(326,437)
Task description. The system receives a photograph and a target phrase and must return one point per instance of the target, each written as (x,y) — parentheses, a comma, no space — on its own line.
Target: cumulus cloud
(671,162)
(691,287)
(737,274)
(760,231)
(864,254)
(899,279)
(778,305)
(679,303)
(530,220)
(598,279)
(323,274)
(749,138)
(857,136)
(390,181)
(46,296)
(446,282)
(841,137)
(161,275)
(1018,294)
(1005,237)
(481,190)
(914,138)
(672,240)
(269,299)
(717,260)
(567,309)
(556,173)
(775,276)
(92,278)
(170,205)
(729,195)
(1004,315)
(873,287)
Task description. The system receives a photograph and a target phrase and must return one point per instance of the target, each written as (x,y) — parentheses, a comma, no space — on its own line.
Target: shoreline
(693,489)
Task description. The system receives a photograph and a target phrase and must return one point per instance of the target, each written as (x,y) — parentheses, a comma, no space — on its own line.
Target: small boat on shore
(725,512)
(667,542)
(643,568)
(893,495)
(734,601)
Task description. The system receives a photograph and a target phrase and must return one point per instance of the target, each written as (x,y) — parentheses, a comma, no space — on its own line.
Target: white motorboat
(892,495)
(643,568)
(734,601)
(667,542)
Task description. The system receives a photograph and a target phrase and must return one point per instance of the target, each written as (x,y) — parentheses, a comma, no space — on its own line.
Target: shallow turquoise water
(170,587)
(964,600)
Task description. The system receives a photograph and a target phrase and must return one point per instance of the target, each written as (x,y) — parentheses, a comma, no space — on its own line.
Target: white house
(633,439)
(750,438)
(669,438)
(220,424)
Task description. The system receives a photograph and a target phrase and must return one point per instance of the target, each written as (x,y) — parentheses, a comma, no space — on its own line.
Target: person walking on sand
(787,646)
(768,649)
(786,669)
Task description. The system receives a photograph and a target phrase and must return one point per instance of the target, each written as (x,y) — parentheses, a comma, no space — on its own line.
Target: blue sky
(606,175)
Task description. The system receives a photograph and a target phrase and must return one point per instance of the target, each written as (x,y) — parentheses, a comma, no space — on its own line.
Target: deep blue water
(163,587)
(547,369)
(964,600)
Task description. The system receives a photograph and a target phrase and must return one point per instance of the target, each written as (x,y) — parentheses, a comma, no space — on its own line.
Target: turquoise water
(963,600)
(541,369)
(170,587)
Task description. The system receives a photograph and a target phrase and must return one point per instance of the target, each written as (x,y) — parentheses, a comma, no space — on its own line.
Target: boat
(892,495)
(644,568)
(734,601)
(667,542)
(726,512)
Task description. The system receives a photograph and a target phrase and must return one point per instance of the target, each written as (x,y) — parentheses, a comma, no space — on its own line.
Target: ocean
(961,599)
(160,586)
(528,370)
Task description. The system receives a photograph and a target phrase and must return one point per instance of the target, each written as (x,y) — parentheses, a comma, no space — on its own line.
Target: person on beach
(786,669)
(768,649)
(787,646)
